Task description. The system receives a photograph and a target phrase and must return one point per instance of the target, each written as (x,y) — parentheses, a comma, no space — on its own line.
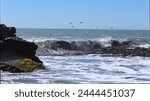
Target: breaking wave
(62,47)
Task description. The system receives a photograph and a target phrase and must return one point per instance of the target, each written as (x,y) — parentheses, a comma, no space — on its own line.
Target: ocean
(70,67)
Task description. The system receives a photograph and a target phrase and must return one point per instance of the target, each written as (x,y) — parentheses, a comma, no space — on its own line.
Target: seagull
(81,22)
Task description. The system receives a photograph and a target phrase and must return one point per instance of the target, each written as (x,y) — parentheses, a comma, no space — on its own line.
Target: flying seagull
(70,23)
(81,22)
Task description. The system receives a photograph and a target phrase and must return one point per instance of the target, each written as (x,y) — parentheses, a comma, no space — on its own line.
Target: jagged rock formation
(16,54)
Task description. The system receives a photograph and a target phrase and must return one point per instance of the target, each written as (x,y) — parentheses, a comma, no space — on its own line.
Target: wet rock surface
(15,50)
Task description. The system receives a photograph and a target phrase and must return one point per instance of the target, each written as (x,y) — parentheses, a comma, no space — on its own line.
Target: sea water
(90,68)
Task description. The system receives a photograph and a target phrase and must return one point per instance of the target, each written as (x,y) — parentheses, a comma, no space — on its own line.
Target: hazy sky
(120,14)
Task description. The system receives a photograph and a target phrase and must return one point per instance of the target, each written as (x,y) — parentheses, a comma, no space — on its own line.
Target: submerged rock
(17,55)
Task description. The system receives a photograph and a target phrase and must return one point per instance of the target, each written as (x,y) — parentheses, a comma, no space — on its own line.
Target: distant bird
(70,23)
(81,22)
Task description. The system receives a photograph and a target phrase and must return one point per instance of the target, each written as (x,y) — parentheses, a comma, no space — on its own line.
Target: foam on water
(144,45)
(84,43)
(86,69)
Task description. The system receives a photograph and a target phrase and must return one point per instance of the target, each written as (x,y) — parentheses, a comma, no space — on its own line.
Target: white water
(105,41)
(86,69)
(89,69)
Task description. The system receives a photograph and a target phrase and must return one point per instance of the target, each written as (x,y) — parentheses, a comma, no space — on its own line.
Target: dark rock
(123,51)
(21,65)
(10,68)
(64,45)
(117,48)
(115,43)
(6,32)
(127,43)
(14,48)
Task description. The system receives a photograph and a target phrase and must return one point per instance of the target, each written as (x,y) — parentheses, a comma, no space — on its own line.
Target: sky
(102,14)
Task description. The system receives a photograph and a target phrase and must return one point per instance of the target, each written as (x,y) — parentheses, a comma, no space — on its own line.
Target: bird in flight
(81,22)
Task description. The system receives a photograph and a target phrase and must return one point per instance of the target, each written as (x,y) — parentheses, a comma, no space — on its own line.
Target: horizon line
(81,28)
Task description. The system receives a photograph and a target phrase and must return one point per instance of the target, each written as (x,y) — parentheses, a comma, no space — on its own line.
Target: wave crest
(57,47)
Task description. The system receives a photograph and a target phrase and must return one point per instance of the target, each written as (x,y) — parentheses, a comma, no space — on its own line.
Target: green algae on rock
(28,65)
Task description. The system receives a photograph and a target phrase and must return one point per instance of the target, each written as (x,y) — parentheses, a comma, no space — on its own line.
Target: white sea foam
(104,41)
(86,69)
(43,39)
(144,45)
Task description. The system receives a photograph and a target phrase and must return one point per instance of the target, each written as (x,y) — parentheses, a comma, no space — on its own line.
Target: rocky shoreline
(17,55)
(116,48)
